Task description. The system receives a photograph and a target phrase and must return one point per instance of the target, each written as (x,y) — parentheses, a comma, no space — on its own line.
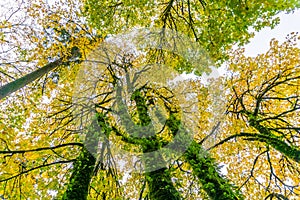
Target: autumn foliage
(245,124)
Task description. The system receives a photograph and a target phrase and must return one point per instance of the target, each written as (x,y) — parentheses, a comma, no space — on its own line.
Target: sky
(260,43)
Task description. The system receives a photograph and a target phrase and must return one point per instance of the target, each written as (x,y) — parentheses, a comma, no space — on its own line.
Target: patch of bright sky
(260,43)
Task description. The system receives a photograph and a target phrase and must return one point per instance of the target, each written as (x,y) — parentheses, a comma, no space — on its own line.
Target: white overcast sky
(260,43)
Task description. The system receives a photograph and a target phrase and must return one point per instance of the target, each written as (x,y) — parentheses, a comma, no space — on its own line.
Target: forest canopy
(96,102)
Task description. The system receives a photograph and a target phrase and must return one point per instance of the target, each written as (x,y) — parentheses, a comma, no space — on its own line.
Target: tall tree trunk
(84,166)
(159,181)
(266,136)
(15,85)
(79,181)
(204,167)
(161,186)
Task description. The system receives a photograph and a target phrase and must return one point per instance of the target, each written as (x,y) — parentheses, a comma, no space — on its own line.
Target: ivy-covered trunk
(161,186)
(159,181)
(78,186)
(276,142)
(204,167)
(79,181)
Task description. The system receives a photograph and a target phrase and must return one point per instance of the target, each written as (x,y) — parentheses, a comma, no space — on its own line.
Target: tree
(263,119)
(55,40)
(43,154)
(216,25)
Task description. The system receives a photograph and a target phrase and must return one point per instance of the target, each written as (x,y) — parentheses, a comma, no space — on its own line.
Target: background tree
(262,121)
(216,25)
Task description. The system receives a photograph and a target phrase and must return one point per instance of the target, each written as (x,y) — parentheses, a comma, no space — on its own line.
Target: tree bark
(79,181)
(267,137)
(216,186)
(15,85)
(84,166)
(161,186)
